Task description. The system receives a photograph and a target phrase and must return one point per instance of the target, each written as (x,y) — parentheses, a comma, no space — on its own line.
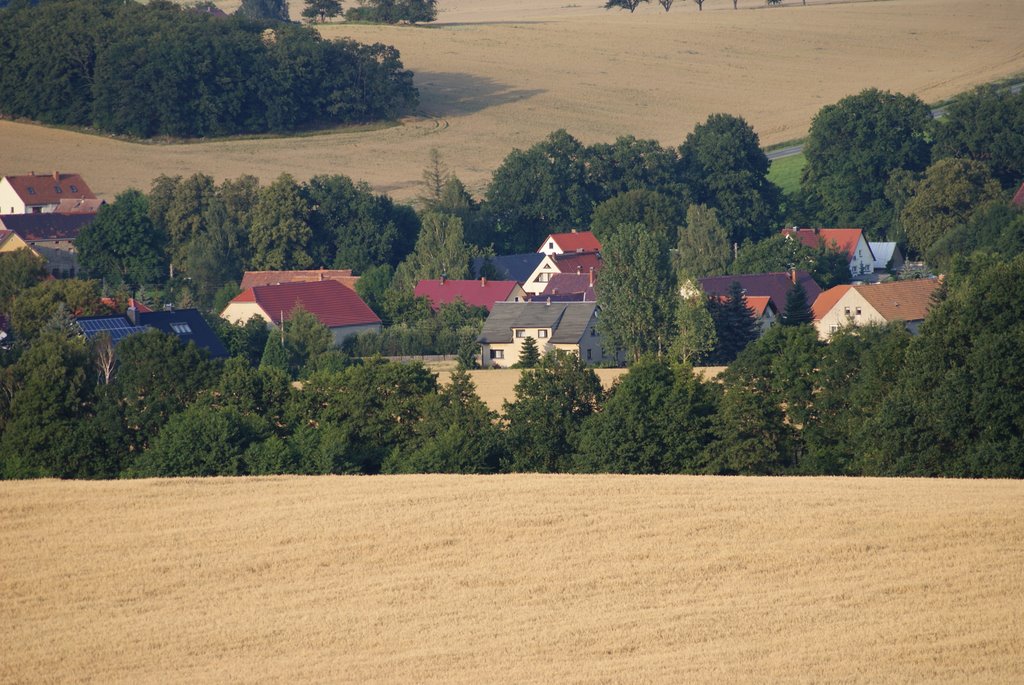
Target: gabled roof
(578,262)
(334,304)
(251,279)
(575,241)
(823,305)
(575,287)
(842,239)
(46,225)
(567,320)
(901,300)
(883,253)
(757,304)
(513,267)
(49,189)
(478,293)
(188,324)
(775,285)
(79,206)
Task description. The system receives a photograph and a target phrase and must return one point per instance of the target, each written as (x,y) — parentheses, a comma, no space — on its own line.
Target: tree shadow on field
(454,93)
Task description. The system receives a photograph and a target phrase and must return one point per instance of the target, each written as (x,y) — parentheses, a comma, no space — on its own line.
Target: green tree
(280,233)
(274,355)
(697,338)
(852,149)
(986,125)
(457,434)
(630,164)
(529,355)
(828,266)
(703,247)
(321,10)
(441,250)
(39,305)
(734,325)
(637,293)
(947,197)
(121,245)
(276,10)
(723,166)
(19,270)
(630,5)
(550,405)
(305,338)
(658,213)
(797,312)
(657,419)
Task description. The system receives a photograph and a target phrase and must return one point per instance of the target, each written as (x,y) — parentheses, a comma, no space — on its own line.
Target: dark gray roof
(511,267)
(188,325)
(568,320)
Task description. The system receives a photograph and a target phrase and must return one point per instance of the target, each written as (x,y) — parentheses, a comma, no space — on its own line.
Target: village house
(513,267)
(568,326)
(881,303)
(888,257)
(336,306)
(32,193)
(775,285)
(51,236)
(579,263)
(480,292)
(569,288)
(576,241)
(849,241)
(188,325)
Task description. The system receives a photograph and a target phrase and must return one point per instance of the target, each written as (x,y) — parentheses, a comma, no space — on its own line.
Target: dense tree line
(393,11)
(874,401)
(163,70)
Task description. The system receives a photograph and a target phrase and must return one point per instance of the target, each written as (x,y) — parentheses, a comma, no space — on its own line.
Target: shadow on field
(452,93)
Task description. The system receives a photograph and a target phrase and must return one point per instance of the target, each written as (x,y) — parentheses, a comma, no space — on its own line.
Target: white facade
(505,355)
(862,262)
(538,280)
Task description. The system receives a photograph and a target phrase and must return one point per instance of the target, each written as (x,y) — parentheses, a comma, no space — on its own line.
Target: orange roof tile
(49,189)
(842,239)
(901,300)
(823,305)
(254,278)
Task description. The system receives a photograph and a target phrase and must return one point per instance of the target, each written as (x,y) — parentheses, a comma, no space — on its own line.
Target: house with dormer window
(38,193)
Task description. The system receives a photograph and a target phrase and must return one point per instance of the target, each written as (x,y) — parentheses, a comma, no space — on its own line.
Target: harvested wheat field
(499,74)
(526,579)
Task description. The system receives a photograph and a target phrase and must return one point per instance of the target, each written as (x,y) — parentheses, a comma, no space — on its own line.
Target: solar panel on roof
(117,327)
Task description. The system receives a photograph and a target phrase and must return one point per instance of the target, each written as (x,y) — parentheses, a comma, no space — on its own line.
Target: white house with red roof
(576,241)
(849,241)
(34,193)
(336,306)
(579,263)
(476,293)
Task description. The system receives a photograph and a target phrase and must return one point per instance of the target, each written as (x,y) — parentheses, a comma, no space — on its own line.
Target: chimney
(792,275)
(56,176)
(483,281)
(579,269)
(321,273)
(591,277)
(574,230)
(168,307)
(548,303)
(443,279)
(132,312)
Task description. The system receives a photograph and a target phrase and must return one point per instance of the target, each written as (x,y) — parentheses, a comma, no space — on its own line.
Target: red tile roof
(901,300)
(578,262)
(757,304)
(823,305)
(478,293)
(253,278)
(1018,197)
(573,242)
(331,302)
(775,285)
(49,189)
(570,284)
(842,239)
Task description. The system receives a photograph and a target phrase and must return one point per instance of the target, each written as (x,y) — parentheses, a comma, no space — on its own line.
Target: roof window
(57,189)
(181,328)
(74,188)
(31,190)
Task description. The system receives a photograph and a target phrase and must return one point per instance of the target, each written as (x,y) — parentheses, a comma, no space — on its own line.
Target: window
(858,311)
(543,278)
(542,333)
(846,311)
(31,190)
(74,188)
(181,328)
(589,354)
(497,354)
(593,332)
(551,245)
(57,189)
(520,333)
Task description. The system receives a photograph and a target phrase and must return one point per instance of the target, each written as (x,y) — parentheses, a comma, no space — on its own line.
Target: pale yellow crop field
(500,74)
(518,579)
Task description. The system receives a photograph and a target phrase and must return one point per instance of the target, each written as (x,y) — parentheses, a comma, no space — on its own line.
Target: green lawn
(785,172)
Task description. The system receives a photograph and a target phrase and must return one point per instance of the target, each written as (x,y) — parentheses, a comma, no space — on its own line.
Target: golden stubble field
(500,74)
(525,579)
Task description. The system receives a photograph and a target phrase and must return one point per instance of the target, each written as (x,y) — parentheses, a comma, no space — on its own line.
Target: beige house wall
(851,309)
(241,312)
(589,347)
(13,243)
(10,203)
